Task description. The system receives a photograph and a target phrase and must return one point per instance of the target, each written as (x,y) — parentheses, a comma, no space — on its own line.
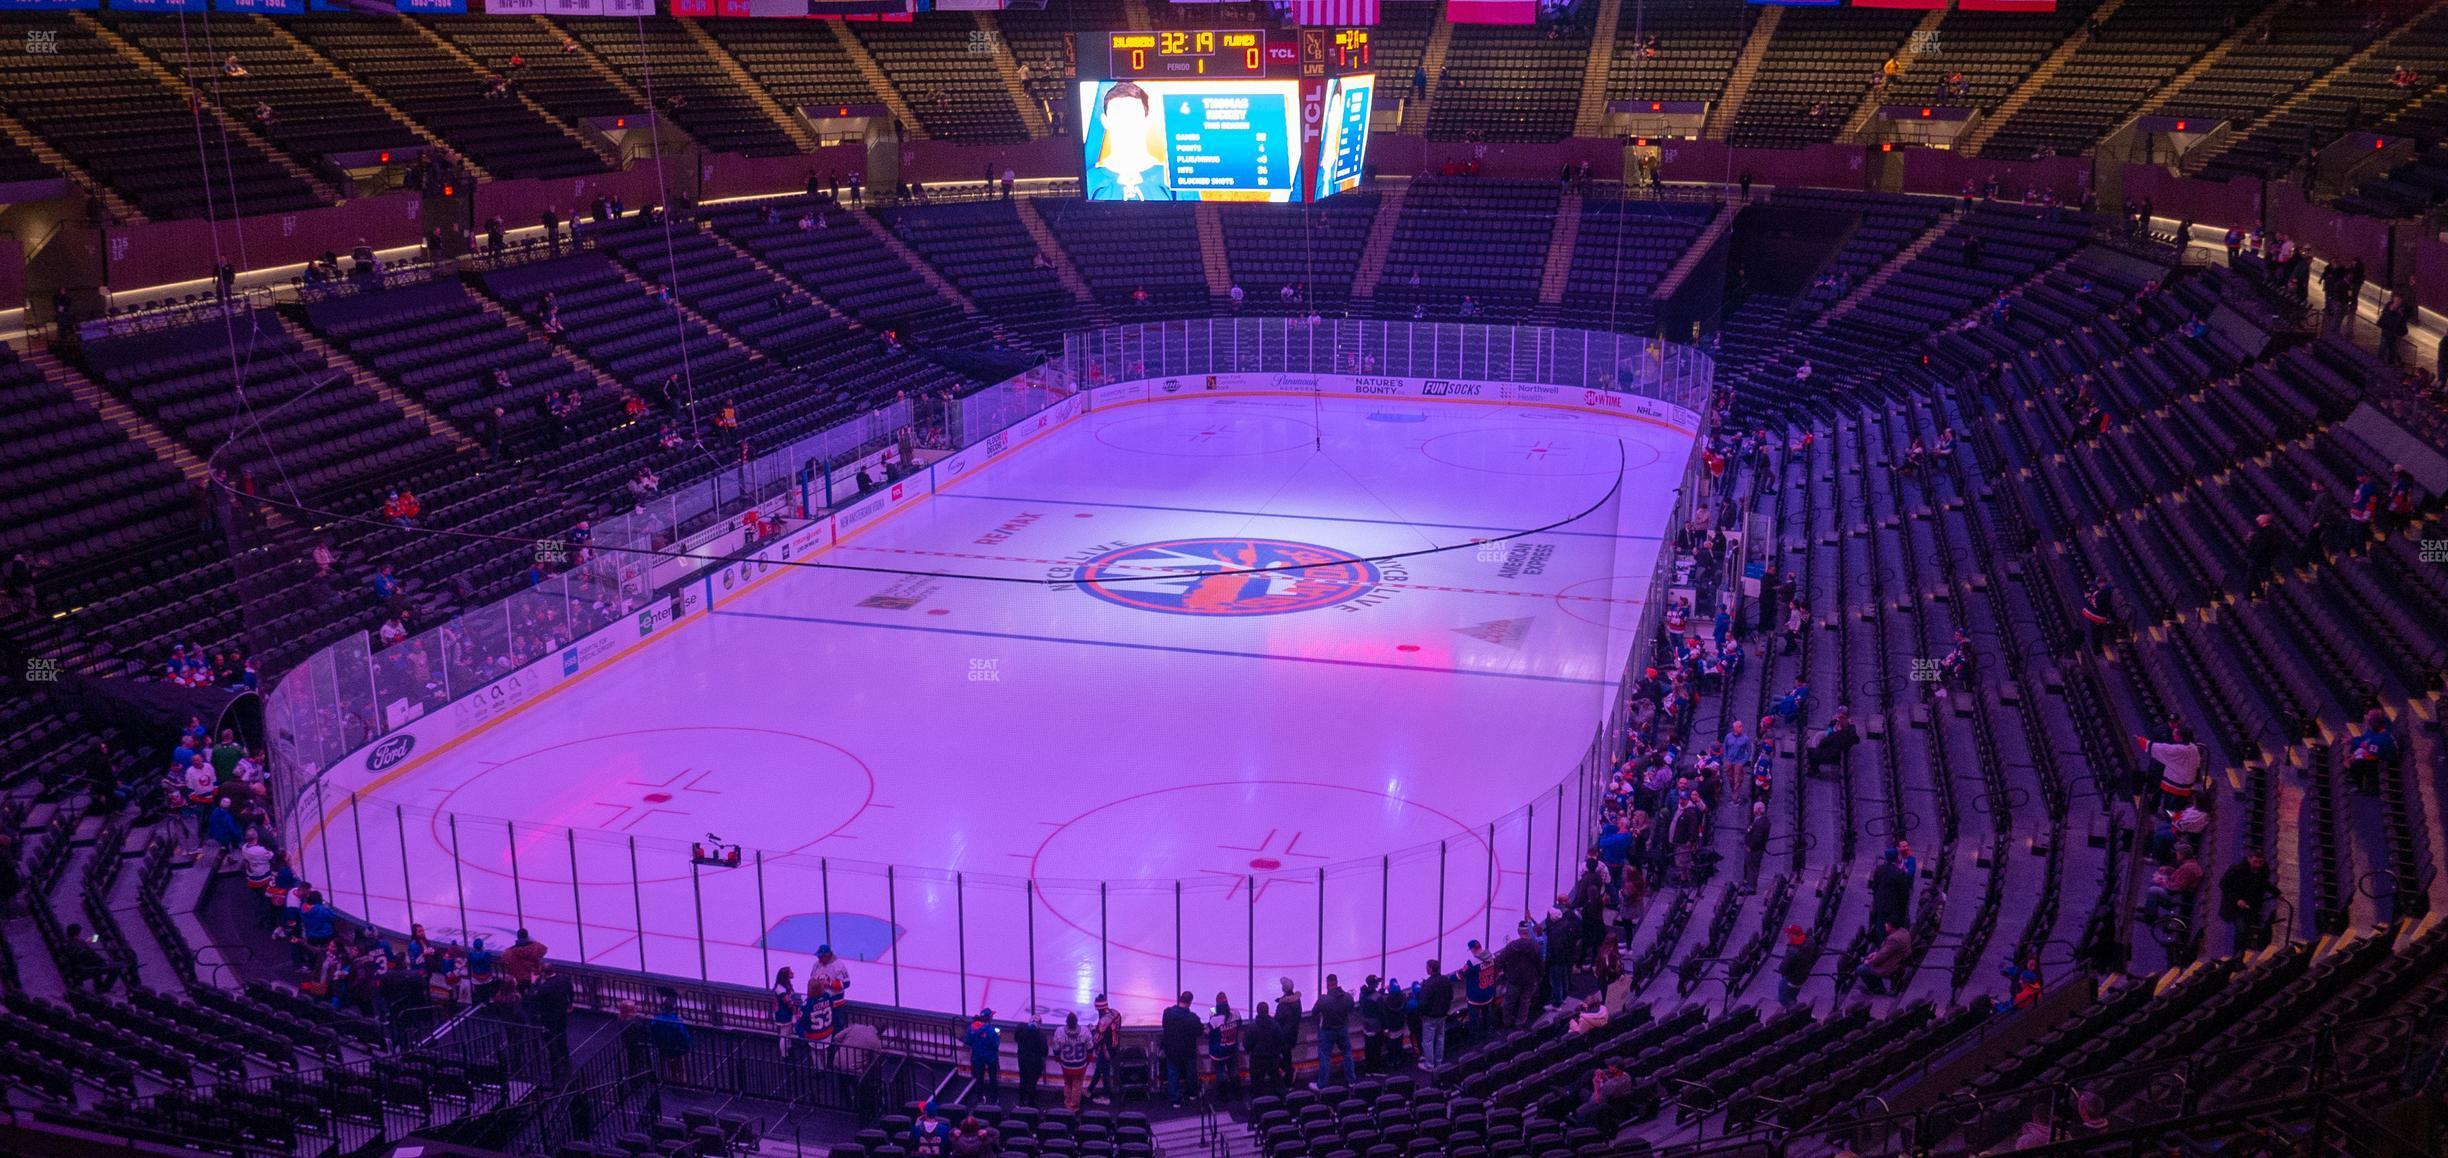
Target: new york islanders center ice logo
(1227,576)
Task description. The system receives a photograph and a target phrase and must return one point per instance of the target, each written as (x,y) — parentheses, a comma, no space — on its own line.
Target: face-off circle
(1255,845)
(1227,577)
(667,786)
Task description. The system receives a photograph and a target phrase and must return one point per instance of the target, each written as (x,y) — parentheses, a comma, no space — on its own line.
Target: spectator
(1794,971)
(1610,1095)
(1334,1010)
(1263,1044)
(1835,742)
(2370,750)
(1177,1044)
(2245,891)
(1882,971)
(1890,890)
(985,1043)
(83,961)
(1224,1049)
(1518,964)
(670,1036)
(929,1132)
(1108,1046)
(550,998)
(1072,1048)
(1030,1043)
(1436,1000)
(973,1139)
(785,1011)
(2180,761)
(2172,886)
(523,961)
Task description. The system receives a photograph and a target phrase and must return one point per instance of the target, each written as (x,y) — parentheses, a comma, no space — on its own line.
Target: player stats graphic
(1152,140)
(1343,134)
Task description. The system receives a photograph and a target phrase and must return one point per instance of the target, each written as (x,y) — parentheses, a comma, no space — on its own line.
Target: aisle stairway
(1746,70)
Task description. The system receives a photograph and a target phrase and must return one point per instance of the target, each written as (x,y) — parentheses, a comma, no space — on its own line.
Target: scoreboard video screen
(1343,134)
(1157,140)
(1223,115)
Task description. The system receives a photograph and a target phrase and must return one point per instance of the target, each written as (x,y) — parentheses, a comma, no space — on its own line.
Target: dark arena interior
(1287,578)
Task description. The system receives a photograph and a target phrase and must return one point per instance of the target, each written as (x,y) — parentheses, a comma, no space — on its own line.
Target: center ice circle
(1227,577)
(756,787)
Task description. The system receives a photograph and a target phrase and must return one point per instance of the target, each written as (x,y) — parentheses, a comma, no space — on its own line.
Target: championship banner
(1495,11)
(1913,5)
(1342,13)
(157,5)
(262,7)
(2007,5)
(45,6)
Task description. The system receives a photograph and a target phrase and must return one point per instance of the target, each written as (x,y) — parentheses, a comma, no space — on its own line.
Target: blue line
(1160,647)
(1270,515)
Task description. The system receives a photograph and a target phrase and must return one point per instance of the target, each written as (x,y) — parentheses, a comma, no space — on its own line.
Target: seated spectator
(83,960)
(2172,886)
(1609,1099)
(1882,971)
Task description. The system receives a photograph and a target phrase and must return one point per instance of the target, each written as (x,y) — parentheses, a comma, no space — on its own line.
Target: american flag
(1334,13)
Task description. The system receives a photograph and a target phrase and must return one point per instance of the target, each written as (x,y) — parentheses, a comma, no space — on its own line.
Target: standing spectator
(1030,1042)
(785,1012)
(1334,1010)
(830,973)
(670,1036)
(985,1043)
(2245,889)
(1436,999)
(2370,750)
(1518,964)
(1563,950)
(1890,891)
(551,998)
(1755,846)
(1177,1043)
(1224,1049)
(1262,1043)
(523,961)
(551,220)
(1073,1047)
(1108,1046)
(1794,971)
(2262,547)
(1479,987)
(2180,761)
(1287,1024)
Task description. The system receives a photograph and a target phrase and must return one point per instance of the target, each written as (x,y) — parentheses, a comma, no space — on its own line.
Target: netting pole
(1555,875)
(1438,941)
(960,932)
(1028,906)
(577,908)
(407,892)
(824,882)
(697,895)
(1104,943)
(892,913)
(458,877)
(518,898)
(1489,932)
(637,904)
(1320,986)
(764,927)
(1249,998)
(1177,935)
(1385,908)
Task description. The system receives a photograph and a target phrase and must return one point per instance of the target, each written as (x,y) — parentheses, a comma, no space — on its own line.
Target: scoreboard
(1234,55)
(1230,114)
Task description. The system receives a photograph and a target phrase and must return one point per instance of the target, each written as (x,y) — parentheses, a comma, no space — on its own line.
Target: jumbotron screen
(1191,140)
(1343,134)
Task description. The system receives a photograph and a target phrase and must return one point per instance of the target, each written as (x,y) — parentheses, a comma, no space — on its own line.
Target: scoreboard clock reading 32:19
(1188,55)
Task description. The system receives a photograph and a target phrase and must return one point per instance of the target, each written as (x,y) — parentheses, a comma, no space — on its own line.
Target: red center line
(1187,574)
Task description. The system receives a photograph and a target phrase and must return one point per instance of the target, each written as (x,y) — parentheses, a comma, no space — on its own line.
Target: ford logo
(390,752)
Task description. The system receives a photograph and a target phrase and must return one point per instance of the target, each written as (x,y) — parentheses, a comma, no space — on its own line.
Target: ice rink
(1196,693)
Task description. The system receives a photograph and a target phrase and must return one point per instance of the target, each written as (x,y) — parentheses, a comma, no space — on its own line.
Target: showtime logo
(1602,400)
